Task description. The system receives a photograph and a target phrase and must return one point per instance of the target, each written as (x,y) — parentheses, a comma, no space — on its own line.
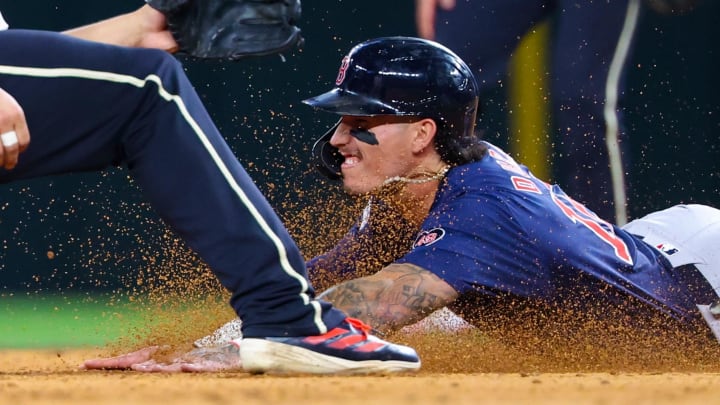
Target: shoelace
(362,327)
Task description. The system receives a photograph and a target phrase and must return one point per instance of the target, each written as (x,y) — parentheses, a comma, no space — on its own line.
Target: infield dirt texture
(49,377)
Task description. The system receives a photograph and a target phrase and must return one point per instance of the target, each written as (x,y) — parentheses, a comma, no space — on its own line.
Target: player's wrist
(152,30)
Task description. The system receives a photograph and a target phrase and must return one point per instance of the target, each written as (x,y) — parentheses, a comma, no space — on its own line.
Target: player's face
(365,166)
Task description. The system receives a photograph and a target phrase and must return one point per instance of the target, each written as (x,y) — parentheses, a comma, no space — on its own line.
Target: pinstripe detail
(610,111)
(3,24)
(177,100)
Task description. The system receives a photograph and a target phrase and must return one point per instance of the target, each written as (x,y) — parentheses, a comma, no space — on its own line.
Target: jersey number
(572,209)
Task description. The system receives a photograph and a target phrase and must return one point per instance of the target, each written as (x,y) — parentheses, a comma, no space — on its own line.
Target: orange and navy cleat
(347,349)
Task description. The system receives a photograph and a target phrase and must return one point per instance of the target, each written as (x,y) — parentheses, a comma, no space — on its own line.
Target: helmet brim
(343,102)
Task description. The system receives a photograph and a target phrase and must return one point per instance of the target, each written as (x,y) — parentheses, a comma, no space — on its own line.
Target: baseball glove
(231,29)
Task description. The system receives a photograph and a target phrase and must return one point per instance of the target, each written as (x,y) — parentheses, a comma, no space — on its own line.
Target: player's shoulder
(491,173)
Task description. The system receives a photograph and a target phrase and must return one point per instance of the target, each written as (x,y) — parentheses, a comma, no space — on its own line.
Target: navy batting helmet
(409,77)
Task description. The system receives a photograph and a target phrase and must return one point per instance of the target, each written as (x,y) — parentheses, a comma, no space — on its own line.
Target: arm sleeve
(475,243)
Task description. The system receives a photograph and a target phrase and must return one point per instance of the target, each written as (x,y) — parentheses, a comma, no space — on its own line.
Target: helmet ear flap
(327,159)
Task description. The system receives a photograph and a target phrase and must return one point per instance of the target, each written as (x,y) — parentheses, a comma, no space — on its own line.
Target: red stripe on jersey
(523,184)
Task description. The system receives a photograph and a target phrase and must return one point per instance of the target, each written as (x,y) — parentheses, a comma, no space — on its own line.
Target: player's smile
(350,160)
(366,166)
(357,171)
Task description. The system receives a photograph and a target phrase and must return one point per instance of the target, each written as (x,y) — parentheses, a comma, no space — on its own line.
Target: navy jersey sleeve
(473,242)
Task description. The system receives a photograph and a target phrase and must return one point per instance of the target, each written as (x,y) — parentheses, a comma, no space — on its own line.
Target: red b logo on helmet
(343,68)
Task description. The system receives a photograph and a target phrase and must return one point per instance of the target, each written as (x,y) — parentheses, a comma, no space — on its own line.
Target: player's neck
(424,194)
(413,199)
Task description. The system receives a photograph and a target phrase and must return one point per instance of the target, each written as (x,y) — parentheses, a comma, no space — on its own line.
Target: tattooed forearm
(351,297)
(396,296)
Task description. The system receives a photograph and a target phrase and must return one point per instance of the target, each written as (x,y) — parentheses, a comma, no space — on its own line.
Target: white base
(712,322)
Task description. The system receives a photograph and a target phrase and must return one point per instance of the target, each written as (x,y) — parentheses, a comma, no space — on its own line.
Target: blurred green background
(72,244)
(60,321)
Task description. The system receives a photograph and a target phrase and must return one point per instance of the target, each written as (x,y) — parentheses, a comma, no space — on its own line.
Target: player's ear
(425,131)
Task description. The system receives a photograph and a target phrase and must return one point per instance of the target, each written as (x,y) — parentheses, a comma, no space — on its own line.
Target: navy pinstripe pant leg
(90,105)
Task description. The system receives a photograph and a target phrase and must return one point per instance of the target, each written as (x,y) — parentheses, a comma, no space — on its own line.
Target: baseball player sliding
(89,103)
(453,221)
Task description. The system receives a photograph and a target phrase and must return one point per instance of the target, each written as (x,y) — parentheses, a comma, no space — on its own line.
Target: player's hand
(425,11)
(142,28)
(155,33)
(200,360)
(14,133)
(122,362)
(204,359)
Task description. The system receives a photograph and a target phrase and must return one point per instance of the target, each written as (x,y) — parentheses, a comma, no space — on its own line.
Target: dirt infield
(458,368)
(468,367)
(53,377)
